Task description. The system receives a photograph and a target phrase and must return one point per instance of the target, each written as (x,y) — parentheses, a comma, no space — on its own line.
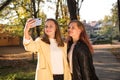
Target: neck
(75,40)
(51,37)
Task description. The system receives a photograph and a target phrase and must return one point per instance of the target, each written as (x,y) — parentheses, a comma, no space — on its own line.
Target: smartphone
(38,22)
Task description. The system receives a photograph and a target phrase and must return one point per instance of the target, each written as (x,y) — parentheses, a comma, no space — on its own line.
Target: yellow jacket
(43,70)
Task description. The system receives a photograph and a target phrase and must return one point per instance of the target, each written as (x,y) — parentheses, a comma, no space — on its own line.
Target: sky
(93,10)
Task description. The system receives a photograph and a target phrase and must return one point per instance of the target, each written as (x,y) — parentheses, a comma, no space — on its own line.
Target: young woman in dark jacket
(80,53)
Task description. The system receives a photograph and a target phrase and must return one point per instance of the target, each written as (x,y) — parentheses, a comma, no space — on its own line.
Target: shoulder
(39,40)
(81,44)
(82,48)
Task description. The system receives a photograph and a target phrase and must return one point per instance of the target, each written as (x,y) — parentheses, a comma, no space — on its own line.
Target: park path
(106,65)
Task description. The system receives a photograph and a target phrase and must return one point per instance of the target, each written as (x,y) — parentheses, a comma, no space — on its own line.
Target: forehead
(49,22)
(72,24)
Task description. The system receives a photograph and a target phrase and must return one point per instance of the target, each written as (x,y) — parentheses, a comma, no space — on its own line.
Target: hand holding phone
(38,22)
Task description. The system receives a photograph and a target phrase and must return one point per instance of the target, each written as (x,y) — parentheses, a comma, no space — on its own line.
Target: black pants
(58,77)
(72,76)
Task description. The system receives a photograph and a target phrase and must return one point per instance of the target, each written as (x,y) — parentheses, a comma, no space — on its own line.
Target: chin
(70,35)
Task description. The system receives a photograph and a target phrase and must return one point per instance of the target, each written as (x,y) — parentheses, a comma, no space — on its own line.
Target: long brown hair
(83,35)
(57,34)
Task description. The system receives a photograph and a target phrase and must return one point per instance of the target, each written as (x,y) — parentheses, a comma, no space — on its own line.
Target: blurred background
(100,17)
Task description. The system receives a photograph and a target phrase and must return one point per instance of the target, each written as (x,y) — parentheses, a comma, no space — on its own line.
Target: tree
(57,9)
(118,3)
(72,9)
(18,11)
(115,20)
(4,4)
(110,23)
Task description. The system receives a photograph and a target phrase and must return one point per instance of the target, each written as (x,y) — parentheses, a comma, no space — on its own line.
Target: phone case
(38,22)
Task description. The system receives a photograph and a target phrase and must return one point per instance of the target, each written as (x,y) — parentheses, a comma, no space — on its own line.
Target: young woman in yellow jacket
(52,55)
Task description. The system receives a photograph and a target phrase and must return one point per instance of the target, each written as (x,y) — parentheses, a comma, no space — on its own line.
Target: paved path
(106,65)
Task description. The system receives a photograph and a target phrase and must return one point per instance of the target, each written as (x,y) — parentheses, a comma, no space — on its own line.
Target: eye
(68,27)
(73,27)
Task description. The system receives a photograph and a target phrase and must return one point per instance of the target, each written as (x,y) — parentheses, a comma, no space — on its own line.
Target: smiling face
(50,29)
(74,31)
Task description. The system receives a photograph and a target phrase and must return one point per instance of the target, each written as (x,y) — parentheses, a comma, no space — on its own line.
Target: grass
(16,64)
(19,76)
(21,71)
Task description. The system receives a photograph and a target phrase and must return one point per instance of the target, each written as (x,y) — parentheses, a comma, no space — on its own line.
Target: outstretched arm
(28,42)
(28,25)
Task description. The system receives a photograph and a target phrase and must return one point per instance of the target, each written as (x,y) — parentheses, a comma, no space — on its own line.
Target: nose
(47,28)
(68,31)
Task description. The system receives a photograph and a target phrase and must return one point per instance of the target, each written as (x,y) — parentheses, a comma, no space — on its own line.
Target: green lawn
(17,70)
(18,76)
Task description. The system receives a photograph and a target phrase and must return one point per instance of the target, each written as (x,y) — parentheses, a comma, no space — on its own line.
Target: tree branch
(7,2)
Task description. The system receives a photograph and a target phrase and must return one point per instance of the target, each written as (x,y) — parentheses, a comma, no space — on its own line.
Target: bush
(102,42)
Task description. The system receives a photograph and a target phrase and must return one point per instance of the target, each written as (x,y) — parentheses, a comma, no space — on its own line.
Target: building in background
(8,40)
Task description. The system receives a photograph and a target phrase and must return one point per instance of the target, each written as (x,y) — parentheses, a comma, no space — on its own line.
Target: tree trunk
(34,14)
(57,8)
(72,9)
(119,13)
(5,4)
(118,1)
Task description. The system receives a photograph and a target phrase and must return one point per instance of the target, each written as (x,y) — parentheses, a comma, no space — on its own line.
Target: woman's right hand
(29,24)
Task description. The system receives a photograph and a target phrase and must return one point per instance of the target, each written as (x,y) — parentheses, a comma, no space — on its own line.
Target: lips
(48,31)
